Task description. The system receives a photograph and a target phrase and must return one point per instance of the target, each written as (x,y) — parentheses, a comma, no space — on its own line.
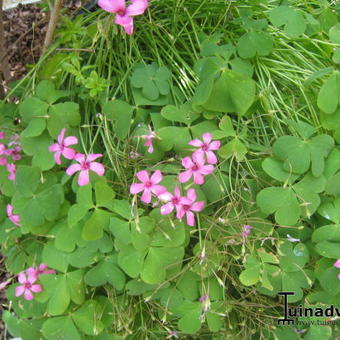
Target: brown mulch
(25,28)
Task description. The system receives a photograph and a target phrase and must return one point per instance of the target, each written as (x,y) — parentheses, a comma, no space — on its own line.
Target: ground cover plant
(168,181)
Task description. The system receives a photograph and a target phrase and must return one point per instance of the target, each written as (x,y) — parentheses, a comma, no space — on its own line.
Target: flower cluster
(184,205)
(124,13)
(28,281)
(9,153)
(85,162)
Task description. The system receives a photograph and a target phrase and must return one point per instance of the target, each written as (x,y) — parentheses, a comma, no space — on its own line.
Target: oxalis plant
(162,216)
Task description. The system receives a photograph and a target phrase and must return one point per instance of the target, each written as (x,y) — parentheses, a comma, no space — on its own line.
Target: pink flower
(14,140)
(174,201)
(148,185)
(2,149)
(196,168)
(61,148)
(41,270)
(3,161)
(246,230)
(207,147)
(148,141)
(2,135)
(124,15)
(14,153)
(85,165)
(11,168)
(27,286)
(13,218)
(188,205)
(4,284)
(337,263)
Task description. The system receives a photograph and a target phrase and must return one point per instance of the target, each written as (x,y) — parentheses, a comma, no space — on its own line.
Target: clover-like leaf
(254,43)
(329,95)
(293,20)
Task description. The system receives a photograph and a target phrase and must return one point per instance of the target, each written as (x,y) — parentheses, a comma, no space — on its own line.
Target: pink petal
(167,208)
(156,177)
(57,157)
(211,158)
(2,135)
(54,147)
(4,284)
(69,153)
(196,142)
(3,161)
(137,7)
(158,189)
(61,136)
(215,145)
(98,168)
(191,195)
(180,212)
(49,271)
(36,288)
(72,169)
(112,6)
(126,22)
(146,197)
(198,157)
(71,140)
(15,219)
(31,271)
(207,169)
(84,177)
(9,209)
(185,176)
(28,295)
(337,263)
(79,157)
(207,137)
(93,156)
(190,218)
(143,176)
(19,290)
(177,191)
(197,206)
(165,196)
(22,278)
(187,162)
(150,149)
(31,278)
(136,188)
(198,178)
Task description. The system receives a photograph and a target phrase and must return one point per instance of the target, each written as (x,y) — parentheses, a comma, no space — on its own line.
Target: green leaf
(253,43)
(94,226)
(251,274)
(32,107)
(280,201)
(293,20)
(329,95)
(121,113)
(54,258)
(184,114)
(214,322)
(275,169)
(27,180)
(35,128)
(60,328)
(234,148)
(131,260)
(57,292)
(104,194)
(120,229)
(75,214)
(105,272)
(66,237)
(62,115)
(75,286)
(231,92)
(331,210)
(328,241)
(317,333)
(334,34)
(158,261)
(46,91)
(188,285)
(87,318)
(190,322)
